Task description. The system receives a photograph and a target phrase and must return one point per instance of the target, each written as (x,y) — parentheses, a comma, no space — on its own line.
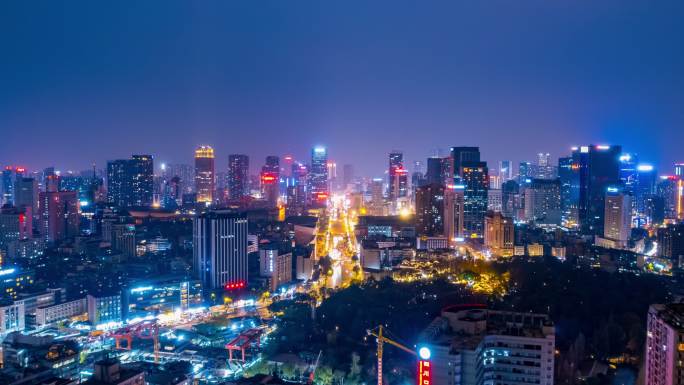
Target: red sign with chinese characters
(424,372)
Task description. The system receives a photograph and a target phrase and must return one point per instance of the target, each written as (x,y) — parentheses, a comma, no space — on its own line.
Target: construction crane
(382,339)
(315,366)
(143,330)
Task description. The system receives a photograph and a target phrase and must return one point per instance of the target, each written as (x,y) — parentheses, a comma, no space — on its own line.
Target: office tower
(510,198)
(667,190)
(499,234)
(26,195)
(7,186)
(598,168)
(478,346)
(104,308)
(15,225)
(186,174)
(220,249)
(679,170)
(430,210)
(275,264)
(238,176)
(269,179)
(495,199)
(204,174)
(453,212)
(525,173)
(475,178)
(629,172)
(142,180)
(377,202)
(671,243)
(618,216)
(123,239)
(59,218)
(543,202)
(544,169)
(296,191)
(664,336)
(435,171)
(463,155)
(645,187)
(332,175)
(130,182)
(505,170)
(398,177)
(569,184)
(347,175)
(318,176)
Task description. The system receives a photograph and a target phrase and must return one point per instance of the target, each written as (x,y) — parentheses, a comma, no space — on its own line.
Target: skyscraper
(26,195)
(644,188)
(473,174)
(204,174)
(130,182)
(318,175)
(543,201)
(598,168)
(270,180)
(430,210)
(453,212)
(435,171)
(505,170)
(398,177)
(663,347)
(220,249)
(59,218)
(569,184)
(238,176)
(499,234)
(618,216)
(7,186)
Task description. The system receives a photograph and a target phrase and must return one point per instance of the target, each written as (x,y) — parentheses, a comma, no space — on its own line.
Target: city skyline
(418,79)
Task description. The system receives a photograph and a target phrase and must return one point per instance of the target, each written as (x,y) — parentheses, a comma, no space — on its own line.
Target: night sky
(83,82)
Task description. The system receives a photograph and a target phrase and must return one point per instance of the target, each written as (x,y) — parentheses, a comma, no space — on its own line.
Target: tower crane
(381,340)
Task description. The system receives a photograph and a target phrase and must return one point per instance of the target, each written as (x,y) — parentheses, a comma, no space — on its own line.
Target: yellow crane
(382,339)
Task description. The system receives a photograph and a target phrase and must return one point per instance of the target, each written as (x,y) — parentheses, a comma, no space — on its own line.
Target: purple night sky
(83,81)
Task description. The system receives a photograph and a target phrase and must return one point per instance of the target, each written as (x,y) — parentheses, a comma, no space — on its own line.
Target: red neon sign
(424,372)
(268,178)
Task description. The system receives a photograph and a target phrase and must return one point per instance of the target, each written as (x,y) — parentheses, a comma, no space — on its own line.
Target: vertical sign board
(424,372)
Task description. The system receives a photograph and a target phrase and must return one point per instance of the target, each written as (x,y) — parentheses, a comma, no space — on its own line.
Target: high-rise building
(435,171)
(318,176)
(398,177)
(463,155)
(525,173)
(430,210)
(204,174)
(644,188)
(453,212)
(59,218)
(347,175)
(475,178)
(667,190)
(270,180)
(26,195)
(276,265)
(569,190)
(238,176)
(510,199)
(543,201)
(505,170)
(664,349)
(130,182)
(679,170)
(598,168)
(7,186)
(671,243)
(377,200)
(220,249)
(471,345)
(499,234)
(618,215)
(15,225)
(544,169)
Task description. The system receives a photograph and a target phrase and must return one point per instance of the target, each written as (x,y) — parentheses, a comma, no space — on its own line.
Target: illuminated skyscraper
(204,174)
(318,175)
(270,180)
(238,176)
(220,249)
(499,234)
(398,177)
(7,186)
(130,182)
(430,210)
(59,218)
(543,201)
(645,187)
(569,191)
(505,170)
(598,168)
(618,215)
(26,195)
(453,212)
(473,174)
(435,170)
